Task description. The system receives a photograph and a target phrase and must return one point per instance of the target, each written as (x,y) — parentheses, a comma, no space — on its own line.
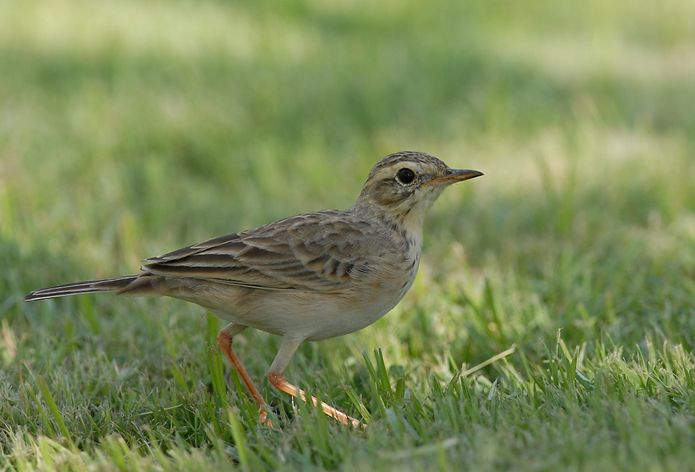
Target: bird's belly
(303,315)
(306,315)
(316,316)
(347,316)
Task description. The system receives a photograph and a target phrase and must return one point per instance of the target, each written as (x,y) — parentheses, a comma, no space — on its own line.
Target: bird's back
(328,251)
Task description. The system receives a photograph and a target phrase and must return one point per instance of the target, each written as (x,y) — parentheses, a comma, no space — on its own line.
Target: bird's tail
(103,285)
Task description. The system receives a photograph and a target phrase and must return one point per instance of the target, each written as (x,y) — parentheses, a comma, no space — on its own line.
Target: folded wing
(313,252)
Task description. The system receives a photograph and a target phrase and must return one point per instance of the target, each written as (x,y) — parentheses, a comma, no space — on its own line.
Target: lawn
(552,323)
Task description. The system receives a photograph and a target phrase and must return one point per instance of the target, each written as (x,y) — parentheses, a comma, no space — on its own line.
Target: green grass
(131,128)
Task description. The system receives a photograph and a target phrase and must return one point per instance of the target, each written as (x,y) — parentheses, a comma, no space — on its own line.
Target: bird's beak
(455,175)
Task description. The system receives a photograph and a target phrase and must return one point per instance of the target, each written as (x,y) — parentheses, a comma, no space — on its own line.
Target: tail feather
(103,285)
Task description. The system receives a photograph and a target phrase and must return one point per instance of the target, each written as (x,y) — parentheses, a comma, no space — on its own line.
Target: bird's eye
(405,176)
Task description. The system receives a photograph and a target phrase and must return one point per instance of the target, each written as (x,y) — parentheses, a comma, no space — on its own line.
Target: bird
(304,278)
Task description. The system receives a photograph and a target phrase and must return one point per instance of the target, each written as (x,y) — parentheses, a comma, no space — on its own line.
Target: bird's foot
(279,382)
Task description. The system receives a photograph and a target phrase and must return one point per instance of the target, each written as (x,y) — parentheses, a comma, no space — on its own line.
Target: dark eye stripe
(405,176)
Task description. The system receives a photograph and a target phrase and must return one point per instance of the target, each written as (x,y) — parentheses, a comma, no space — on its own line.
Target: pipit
(308,277)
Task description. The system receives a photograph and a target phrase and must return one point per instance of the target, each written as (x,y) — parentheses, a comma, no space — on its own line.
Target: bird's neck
(404,222)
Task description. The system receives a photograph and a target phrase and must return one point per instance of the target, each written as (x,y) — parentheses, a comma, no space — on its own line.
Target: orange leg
(279,382)
(287,348)
(224,339)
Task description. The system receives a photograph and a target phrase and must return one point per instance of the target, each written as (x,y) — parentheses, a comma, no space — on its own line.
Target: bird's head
(404,185)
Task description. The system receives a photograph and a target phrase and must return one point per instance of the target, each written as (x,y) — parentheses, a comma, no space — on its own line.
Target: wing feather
(312,252)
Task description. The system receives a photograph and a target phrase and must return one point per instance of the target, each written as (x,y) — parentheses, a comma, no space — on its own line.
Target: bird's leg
(279,382)
(277,379)
(224,339)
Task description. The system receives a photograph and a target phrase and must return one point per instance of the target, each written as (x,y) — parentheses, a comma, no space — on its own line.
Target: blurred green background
(130,128)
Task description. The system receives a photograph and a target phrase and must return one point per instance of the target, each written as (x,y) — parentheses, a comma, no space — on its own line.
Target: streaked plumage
(306,277)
